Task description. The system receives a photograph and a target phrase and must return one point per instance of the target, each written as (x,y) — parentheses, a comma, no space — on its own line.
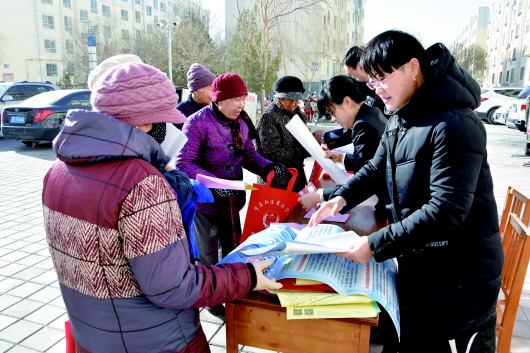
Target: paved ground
(32,313)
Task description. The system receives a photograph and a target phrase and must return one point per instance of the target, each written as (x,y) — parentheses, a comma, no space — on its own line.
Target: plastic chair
(516,203)
(516,248)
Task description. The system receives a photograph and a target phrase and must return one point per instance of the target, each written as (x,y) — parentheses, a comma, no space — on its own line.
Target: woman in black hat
(274,141)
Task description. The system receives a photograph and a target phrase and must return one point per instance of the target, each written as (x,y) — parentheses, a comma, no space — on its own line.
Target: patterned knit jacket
(276,143)
(210,151)
(115,233)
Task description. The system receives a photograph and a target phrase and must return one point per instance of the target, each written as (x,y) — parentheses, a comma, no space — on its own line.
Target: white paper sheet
(174,141)
(300,131)
(344,149)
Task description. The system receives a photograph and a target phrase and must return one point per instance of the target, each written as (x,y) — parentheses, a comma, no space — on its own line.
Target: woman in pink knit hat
(115,231)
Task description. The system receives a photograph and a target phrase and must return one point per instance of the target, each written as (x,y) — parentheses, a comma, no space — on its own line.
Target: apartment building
(38,35)
(508,44)
(312,41)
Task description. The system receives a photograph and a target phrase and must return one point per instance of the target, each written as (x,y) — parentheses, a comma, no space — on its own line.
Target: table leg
(231,344)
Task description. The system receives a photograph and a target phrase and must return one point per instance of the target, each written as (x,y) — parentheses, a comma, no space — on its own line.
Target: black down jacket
(433,161)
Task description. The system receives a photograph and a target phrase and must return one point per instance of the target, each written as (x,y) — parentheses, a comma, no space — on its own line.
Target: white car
(516,115)
(494,97)
(499,115)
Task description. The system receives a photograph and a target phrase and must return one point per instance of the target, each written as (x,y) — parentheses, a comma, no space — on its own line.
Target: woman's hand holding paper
(310,200)
(330,208)
(359,252)
(263,282)
(336,157)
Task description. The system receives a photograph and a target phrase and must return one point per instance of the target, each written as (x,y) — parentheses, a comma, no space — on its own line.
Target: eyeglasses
(380,83)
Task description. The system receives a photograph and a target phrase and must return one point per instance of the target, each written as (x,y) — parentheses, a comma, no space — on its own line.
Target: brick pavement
(32,313)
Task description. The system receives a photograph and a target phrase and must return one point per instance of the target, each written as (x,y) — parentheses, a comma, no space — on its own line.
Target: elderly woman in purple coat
(220,144)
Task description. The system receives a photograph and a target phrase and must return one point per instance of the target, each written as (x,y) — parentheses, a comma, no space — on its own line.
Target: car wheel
(489,117)
(28,143)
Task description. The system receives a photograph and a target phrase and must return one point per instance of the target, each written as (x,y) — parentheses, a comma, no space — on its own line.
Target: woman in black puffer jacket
(432,160)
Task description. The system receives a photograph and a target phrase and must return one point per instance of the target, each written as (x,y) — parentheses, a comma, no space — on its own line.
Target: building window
(94,6)
(83,15)
(137,16)
(149,29)
(125,15)
(507,76)
(148,10)
(137,2)
(517,30)
(49,46)
(47,22)
(106,10)
(47,2)
(93,30)
(511,75)
(500,77)
(162,6)
(68,24)
(51,70)
(156,20)
(67,4)
(155,4)
(125,34)
(138,33)
(69,46)
(106,32)
(521,74)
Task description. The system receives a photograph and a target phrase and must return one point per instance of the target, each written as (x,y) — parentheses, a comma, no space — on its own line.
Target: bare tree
(270,15)
(472,59)
(192,43)
(243,49)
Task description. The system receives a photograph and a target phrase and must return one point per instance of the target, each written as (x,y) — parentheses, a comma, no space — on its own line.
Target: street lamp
(168,27)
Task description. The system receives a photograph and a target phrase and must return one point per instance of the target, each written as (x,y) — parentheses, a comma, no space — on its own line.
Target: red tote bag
(269,205)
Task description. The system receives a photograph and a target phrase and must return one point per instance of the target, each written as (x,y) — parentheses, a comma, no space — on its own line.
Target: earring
(414,79)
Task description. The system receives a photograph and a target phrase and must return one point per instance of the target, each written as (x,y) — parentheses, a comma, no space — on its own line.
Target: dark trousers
(421,342)
(214,237)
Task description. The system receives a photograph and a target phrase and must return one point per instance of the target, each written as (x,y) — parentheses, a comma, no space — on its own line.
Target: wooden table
(258,320)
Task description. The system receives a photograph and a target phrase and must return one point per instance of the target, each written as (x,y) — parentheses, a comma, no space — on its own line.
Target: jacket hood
(447,86)
(91,137)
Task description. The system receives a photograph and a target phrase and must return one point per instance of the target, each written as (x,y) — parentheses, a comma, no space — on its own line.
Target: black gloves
(281,175)
(225,192)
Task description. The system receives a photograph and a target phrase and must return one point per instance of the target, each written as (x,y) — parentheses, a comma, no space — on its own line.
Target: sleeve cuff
(253,277)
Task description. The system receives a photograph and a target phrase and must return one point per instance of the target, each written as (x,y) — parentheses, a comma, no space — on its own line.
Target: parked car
(39,118)
(515,116)
(12,93)
(494,97)
(499,116)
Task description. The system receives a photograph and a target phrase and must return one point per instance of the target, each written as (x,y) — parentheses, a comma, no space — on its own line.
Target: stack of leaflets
(309,255)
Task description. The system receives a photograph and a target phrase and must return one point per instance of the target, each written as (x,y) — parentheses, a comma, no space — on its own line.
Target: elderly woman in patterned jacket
(115,230)
(274,141)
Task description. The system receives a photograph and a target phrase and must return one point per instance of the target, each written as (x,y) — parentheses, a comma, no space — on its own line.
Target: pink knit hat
(137,94)
(228,86)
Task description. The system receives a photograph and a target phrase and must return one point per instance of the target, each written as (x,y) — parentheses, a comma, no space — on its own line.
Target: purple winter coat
(209,151)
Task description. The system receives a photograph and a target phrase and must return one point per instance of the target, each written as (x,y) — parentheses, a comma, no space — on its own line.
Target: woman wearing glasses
(343,98)
(432,160)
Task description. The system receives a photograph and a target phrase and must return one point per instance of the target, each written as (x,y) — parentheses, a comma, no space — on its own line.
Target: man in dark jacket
(200,81)
(433,162)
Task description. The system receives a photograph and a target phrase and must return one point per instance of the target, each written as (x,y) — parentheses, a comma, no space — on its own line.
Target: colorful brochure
(376,280)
